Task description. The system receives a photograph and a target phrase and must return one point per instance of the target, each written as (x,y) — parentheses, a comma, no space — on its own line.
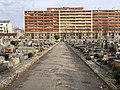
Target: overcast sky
(14,9)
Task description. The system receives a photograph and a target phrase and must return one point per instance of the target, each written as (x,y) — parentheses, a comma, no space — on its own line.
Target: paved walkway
(60,69)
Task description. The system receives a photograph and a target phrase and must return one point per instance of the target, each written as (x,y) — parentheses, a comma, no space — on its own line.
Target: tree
(112,47)
(56,36)
(97,44)
(105,32)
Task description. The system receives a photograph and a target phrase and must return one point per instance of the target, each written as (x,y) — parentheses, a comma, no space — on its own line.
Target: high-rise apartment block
(73,24)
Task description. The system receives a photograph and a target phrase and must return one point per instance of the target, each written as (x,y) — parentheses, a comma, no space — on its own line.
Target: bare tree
(105,32)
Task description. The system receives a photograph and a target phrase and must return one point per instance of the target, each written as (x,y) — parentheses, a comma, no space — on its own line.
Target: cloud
(13,9)
(6,2)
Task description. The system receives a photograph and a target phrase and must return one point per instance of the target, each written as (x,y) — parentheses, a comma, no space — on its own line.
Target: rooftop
(5,21)
(66,8)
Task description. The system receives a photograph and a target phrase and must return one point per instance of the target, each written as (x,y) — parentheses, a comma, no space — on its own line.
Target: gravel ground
(59,69)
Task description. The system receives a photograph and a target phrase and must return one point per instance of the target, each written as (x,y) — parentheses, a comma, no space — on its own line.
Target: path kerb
(94,68)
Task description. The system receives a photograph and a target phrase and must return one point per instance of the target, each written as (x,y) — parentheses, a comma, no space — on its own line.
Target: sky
(14,9)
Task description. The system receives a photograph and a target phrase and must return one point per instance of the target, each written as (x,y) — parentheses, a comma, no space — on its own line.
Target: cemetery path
(59,69)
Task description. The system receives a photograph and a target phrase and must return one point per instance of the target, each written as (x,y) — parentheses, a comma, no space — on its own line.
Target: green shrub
(30,55)
(101,55)
(72,45)
(76,47)
(41,49)
(115,66)
(116,75)
(88,57)
(96,56)
(56,36)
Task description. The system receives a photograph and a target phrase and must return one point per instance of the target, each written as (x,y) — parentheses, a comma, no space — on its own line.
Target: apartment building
(106,21)
(6,29)
(73,24)
(41,24)
(6,26)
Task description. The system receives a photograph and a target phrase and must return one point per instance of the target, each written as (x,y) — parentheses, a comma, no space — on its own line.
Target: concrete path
(59,69)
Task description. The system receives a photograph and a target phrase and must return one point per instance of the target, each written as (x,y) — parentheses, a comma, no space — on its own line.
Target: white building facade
(6,26)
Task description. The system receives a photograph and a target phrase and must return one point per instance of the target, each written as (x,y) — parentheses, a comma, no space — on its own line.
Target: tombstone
(2,59)
(21,43)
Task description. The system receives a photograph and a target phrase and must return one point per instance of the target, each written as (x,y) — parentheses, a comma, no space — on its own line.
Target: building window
(35,34)
(80,35)
(119,34)
(76,34)
(96,35)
